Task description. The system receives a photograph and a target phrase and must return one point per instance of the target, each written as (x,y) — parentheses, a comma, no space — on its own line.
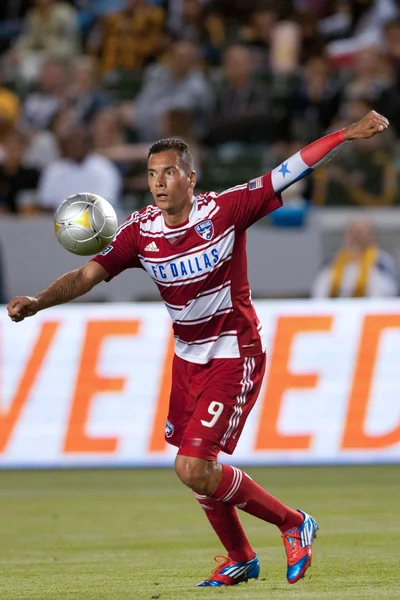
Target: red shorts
(210,403)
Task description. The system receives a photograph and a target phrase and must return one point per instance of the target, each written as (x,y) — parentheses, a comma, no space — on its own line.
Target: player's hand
(366,127)
(22,306)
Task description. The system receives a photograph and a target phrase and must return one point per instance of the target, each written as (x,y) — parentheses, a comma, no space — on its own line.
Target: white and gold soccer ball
(85,223)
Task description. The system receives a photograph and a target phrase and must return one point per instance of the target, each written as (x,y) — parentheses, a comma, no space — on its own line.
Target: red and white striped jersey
(200,268)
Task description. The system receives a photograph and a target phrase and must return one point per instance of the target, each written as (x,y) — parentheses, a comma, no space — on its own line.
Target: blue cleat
(231,572)
(298,545)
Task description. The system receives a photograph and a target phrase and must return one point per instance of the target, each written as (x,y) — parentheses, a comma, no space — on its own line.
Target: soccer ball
(85,224)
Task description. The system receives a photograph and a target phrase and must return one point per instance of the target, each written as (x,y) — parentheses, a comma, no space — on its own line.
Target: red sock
(226,524)
(237,488)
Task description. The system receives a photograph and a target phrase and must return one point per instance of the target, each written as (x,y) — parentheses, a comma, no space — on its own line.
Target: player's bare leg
(227,487)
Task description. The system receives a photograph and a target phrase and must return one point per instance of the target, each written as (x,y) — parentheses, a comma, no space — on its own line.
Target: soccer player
(193,247)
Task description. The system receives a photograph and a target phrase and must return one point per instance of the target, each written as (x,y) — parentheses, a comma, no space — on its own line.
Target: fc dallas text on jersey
(200,268)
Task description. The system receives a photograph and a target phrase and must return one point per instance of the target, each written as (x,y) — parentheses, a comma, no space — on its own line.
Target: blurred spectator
(79,170)
(340,23)
(369,18)
(11,15)
(17,182)
(128,39)
(184,19)
(363,173)
(202,22)
(362,23)
(214,33)
(44,145)
(257,34)
(319,7)
(371,75)
(179,84)
(359,269)
(9,110)
(312,42)
(51,31)
(39,107)
(285,48)
(243,107)
(107,129)
(392,40)
(389,101)
(317,99)
(178,123)
(84,93)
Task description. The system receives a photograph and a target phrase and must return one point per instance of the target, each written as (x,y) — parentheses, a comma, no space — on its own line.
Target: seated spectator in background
(243,104)
(184,19)
(12,14)
(79,170)
(178,123)
(214,33)
(390,99)
(39,107)
(9,110)
(363,174)
(371,75)
(84,93)
(317,99)
(362,23)
(257,35)
(359,270)
(201,22)
(392,42)
(51,31)
(107,130)
(311,42)
(44,145)
(177,85)
(17,182)
(128,39)
(338,24)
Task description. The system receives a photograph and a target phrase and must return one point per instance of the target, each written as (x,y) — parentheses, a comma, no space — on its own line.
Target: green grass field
(139,534)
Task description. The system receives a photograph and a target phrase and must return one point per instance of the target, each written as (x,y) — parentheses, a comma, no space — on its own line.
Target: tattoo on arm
(65,292)
(66,288)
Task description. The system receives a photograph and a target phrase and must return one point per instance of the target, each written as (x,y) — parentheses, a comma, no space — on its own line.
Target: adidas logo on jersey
(152,247)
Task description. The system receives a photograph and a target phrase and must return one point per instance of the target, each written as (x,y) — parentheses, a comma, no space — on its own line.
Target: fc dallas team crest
(205,229)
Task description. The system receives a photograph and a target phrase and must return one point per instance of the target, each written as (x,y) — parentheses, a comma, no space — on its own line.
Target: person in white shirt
(359,269)
(78,171)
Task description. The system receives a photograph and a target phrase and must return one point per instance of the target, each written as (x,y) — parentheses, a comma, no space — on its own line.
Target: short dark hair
(180,146)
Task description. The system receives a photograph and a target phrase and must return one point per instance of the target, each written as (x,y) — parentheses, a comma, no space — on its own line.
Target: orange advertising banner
(88,385)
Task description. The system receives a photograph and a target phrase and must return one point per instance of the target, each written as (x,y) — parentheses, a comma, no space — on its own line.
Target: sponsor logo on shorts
(106,250)
(169,429)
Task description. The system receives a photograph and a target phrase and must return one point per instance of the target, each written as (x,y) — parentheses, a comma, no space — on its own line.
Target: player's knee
(200,475)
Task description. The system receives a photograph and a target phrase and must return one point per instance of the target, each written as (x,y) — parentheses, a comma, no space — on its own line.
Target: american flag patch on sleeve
(255,184)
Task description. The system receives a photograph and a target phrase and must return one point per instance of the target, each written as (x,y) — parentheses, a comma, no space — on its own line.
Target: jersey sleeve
(306,160)
(251,201)
(122,253)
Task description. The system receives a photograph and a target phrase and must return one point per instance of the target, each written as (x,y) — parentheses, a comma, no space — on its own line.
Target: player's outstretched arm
(319,152)
(68,287)
(366,127)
